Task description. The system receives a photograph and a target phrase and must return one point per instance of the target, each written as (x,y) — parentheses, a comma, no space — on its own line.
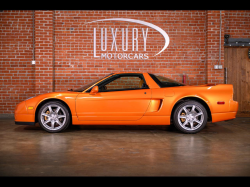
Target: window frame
(116,76)
(160,84)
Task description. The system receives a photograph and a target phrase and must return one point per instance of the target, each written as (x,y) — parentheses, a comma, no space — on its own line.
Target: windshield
(164,81)
(81,89)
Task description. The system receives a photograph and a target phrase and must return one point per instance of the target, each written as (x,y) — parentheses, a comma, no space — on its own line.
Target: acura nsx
(132,98)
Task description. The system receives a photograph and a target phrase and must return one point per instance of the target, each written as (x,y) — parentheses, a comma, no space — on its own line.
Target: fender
(196,98)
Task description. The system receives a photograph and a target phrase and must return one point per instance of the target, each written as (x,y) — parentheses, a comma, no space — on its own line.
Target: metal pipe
(225,71)
(53,49)
(33,25)
(220,41)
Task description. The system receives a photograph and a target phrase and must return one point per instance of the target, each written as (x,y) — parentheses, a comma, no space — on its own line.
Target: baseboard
(9,116)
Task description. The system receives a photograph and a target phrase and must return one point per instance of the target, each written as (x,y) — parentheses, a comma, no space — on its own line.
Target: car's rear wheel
(190,117)
(54,117)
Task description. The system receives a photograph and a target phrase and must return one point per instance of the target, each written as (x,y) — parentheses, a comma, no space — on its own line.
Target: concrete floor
(221,149)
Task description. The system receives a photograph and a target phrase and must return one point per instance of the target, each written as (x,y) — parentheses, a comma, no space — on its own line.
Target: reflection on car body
(131,98)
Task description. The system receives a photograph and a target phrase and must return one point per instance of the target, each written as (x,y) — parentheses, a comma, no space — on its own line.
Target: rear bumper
(223,116)
(233,108)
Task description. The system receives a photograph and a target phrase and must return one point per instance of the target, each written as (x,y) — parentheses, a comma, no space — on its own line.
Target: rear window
(164,81)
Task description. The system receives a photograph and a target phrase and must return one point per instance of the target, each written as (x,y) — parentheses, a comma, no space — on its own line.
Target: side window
(124,83)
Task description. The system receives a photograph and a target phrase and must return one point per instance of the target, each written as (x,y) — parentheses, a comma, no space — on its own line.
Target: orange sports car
(131,99)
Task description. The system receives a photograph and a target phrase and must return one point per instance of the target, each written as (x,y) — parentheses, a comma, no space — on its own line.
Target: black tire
(52,120)
(183,119)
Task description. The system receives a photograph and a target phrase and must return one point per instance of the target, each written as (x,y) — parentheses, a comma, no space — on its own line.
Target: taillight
(221,102)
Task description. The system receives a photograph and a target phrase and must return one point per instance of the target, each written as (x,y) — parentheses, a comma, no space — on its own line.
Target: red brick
(193,48)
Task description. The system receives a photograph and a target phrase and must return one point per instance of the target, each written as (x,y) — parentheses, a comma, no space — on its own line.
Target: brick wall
(237,23)
(16,72)
(215,21)
(43,51)
(64,48)
(75,64)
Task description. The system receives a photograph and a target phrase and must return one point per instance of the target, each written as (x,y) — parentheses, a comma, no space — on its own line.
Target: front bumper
(22,117)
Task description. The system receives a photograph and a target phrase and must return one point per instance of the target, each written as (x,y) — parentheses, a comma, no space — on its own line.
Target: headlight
(29,98)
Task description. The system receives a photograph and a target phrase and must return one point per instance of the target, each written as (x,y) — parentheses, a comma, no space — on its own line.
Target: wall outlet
(33,62)
(217,66)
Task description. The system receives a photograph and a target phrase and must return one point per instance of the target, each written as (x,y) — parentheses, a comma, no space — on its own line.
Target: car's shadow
(121,127)
(73,128)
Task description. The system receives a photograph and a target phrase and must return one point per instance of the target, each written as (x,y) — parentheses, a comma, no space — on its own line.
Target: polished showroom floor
(221,149)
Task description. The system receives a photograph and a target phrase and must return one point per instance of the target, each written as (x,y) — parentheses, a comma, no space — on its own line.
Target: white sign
(135,31)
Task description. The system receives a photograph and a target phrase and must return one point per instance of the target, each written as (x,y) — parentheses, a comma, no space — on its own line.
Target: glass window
(164,81)
(123,82)
(81,89)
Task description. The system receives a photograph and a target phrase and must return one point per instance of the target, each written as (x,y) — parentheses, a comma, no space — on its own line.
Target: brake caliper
(183,119)
(45,117)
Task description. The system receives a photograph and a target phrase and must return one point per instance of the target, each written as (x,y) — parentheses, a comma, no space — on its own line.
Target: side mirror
(94,90)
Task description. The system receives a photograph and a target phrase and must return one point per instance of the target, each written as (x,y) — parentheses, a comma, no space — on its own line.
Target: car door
(121,97)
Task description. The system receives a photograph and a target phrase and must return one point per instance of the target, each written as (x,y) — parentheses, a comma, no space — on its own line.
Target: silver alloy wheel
(53,117)
(190,117)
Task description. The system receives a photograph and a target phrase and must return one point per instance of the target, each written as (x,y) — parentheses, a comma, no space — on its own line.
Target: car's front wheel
(54,117)
(190,117)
